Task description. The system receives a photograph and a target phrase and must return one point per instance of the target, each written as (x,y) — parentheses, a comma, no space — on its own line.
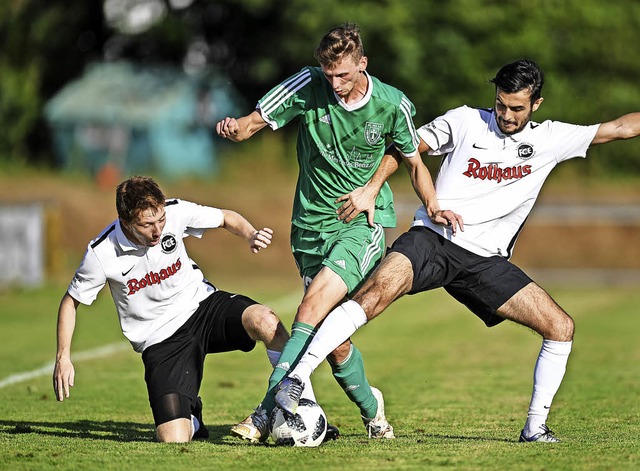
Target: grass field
(456,392)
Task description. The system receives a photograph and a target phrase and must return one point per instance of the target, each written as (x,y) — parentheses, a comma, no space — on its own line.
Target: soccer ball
(306,428)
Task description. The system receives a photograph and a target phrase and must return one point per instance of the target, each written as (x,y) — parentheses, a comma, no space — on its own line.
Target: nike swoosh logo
(476,146)
(547,407)
(125,273)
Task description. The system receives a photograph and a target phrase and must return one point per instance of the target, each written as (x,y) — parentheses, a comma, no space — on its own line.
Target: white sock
(307,392)
(547,377)
(273,357)
(195,425)
(338,326)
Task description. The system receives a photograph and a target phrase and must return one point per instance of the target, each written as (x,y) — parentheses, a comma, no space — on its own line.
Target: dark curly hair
(520,75)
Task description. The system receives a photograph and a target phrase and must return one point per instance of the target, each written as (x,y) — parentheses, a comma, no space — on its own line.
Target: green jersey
(340,145)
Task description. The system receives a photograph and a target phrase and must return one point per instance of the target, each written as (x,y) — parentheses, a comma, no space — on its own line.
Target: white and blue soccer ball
(307,427)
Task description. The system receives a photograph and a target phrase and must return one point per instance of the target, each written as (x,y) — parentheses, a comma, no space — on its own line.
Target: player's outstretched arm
(238,225)
(625,127)
(363,199)
(423,186)
(63,371)
(240,129)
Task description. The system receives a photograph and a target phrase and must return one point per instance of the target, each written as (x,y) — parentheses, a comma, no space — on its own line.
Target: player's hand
(446,217)
(359,200)
(227,128)
(260,240)
(63,378)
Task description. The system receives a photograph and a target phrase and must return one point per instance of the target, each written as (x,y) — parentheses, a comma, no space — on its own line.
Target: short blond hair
(340,42)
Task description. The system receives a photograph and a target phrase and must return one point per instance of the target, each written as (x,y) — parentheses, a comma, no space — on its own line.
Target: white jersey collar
(124,243)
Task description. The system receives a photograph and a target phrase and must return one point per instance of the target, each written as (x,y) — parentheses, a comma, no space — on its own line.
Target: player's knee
(307,314)
(565,329)
(560,328)
(174,438)
(341,353)
(260,322)
(174,431)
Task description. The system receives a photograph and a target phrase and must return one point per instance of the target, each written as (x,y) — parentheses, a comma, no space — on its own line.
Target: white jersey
(491,179)
(155,289)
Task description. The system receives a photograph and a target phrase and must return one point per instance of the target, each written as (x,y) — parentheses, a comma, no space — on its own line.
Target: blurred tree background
(441,54)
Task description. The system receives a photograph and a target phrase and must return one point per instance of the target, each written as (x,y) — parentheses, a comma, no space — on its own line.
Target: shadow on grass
(468,438)
(106,430)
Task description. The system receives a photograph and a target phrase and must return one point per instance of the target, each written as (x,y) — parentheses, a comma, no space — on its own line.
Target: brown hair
(135,195)
(340,42)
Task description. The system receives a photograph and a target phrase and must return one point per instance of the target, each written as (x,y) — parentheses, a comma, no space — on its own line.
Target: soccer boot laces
(289,393)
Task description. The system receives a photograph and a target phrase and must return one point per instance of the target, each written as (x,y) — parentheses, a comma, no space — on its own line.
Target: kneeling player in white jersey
(495,163)
(168,310)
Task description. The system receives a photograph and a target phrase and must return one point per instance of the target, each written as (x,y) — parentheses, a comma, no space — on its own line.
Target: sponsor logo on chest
(497,173)
(153,278)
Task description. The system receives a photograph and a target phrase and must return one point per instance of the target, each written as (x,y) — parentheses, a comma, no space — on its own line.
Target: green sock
(351,378)
(301,336)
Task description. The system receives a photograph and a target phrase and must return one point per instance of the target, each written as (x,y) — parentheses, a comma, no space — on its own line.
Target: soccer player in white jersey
(345,117)
(169,312)
(495,162)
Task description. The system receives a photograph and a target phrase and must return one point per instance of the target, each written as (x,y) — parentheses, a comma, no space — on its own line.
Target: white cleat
(545,436)
(378,427)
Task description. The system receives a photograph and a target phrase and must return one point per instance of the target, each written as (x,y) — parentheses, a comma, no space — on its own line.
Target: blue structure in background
(133,119)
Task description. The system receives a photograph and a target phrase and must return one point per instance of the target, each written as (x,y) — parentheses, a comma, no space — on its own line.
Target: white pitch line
(285,303)
(100,352)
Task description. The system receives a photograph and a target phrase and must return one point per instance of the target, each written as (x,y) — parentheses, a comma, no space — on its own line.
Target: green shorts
(352,252)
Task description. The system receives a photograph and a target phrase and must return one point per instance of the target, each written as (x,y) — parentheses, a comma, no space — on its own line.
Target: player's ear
(536,104)
(362,66)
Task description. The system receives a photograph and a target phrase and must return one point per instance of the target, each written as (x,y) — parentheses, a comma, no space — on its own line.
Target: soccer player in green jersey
(345,118)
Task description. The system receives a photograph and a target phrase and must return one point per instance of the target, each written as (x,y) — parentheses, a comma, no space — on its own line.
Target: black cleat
(332,433)
(202,433)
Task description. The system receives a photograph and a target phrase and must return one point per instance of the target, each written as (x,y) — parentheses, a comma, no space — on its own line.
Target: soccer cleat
(332,433)
(546,436)
(254,428)
(289,393)
(202,432)
(378,427)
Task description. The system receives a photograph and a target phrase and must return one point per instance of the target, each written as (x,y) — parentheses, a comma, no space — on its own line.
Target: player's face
(346,75)
(148,226)
(513,110)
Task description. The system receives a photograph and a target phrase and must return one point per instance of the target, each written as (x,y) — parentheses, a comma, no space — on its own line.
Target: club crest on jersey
(168,243)
(373,132)
(525,151)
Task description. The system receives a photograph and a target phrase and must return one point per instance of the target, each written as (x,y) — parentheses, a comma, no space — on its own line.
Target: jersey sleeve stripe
(284,91)
(405,106)
(103,237)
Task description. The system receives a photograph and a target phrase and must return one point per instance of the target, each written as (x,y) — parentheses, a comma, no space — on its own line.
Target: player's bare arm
(363,199)
(238,225)
(423,187)
(240,129)
(625,127)
(63,371)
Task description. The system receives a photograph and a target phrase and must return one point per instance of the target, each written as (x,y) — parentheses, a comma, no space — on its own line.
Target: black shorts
(483,284)
(175,365)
